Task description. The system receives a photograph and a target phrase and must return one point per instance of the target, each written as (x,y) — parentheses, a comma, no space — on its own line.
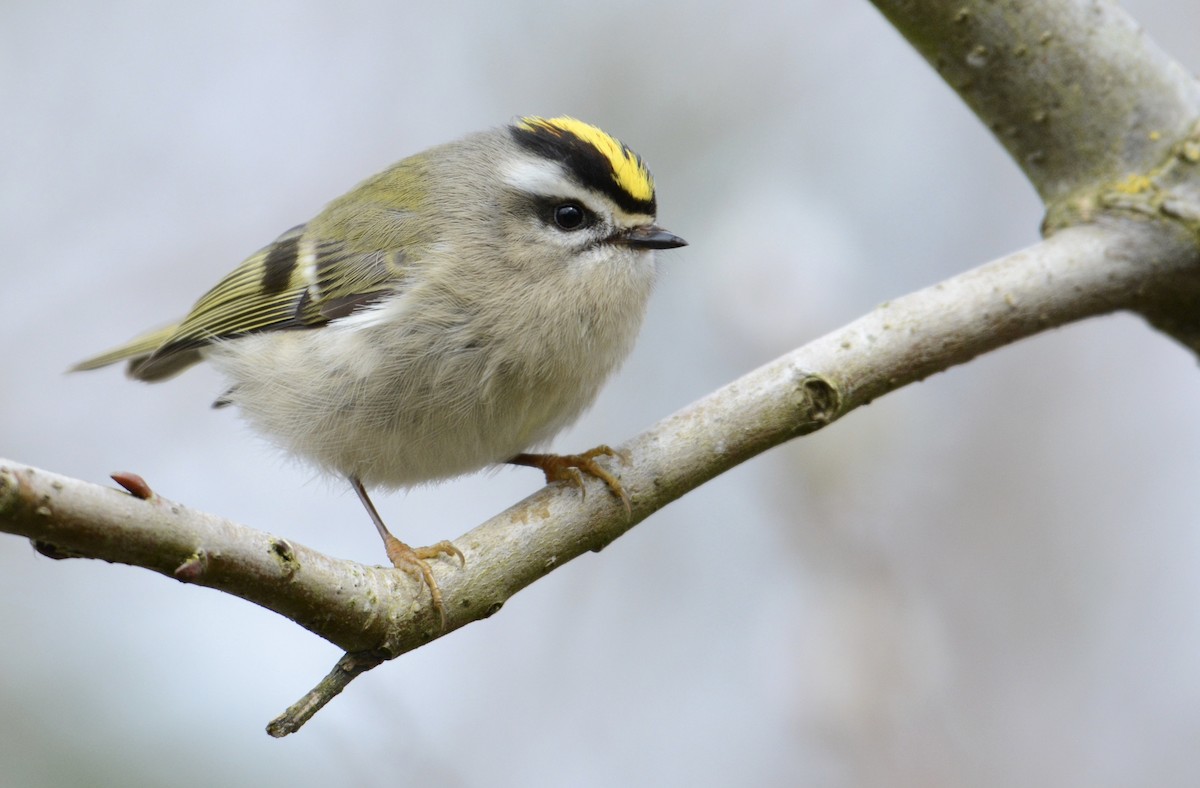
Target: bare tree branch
(375,613)
(1101,121)
(1095,114)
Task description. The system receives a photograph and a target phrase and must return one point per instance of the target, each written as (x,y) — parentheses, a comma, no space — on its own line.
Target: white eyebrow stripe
(544,178)
(547,179)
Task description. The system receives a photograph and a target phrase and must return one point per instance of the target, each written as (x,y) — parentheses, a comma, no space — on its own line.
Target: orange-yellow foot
(571,467)
(411,560)
(414,561)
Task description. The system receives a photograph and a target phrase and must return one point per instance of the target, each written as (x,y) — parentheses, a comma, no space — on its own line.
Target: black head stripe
(583,160)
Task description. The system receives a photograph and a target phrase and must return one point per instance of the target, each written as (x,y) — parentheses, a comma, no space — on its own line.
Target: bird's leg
(571,467)
(412,560)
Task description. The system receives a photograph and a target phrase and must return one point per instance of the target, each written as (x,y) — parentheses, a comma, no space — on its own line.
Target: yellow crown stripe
(629,171)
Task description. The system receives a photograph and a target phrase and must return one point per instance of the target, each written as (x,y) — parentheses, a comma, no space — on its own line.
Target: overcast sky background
(989,578)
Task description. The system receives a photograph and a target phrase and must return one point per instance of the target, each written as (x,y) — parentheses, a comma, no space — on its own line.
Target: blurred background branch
(1074,90)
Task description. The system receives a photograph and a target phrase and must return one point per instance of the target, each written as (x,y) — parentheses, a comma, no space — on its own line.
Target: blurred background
(989,578)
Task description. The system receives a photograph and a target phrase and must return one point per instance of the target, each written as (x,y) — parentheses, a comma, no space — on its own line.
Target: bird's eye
(570,216)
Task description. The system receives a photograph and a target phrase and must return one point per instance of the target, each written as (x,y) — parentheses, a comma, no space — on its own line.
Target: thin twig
(348,668)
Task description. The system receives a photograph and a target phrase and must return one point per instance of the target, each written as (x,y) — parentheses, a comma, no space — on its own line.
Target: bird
(450,313)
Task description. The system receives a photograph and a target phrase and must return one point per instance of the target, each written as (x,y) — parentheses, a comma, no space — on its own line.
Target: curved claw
(415,561)
(571,467)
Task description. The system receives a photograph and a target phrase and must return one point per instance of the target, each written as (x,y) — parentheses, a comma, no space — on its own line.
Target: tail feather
(137,351)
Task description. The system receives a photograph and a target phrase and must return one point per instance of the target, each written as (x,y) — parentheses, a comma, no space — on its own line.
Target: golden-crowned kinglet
(449,313)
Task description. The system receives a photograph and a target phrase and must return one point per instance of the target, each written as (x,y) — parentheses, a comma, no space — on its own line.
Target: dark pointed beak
(651,236)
